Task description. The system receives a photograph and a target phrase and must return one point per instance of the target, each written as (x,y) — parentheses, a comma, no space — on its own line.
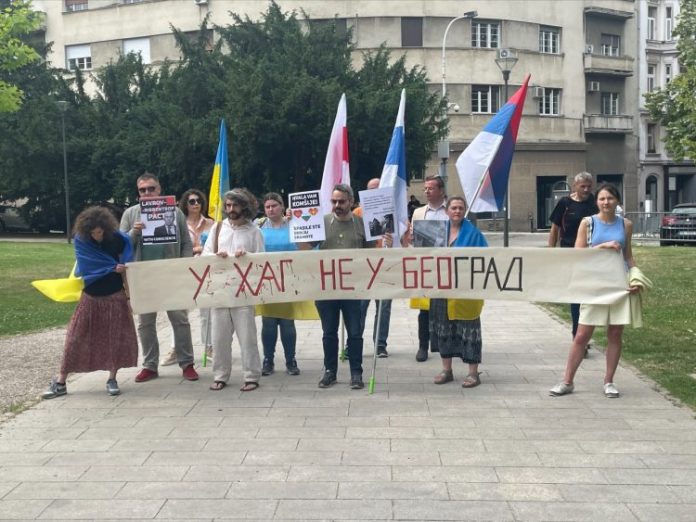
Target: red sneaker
(190,374)
(146,375)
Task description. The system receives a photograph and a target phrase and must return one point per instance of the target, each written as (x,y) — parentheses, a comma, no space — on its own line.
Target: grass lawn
(22,307)
(665,348)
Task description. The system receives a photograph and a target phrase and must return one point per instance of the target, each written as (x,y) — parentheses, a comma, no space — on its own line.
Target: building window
(485,98)
(76,5)
(652,23)
(550,102)
(650,138)
(669,23)
(485,34)
(549,40)
(610,103)
(651,77)
(668,73)
(411,32)
(338,23)
(78,57)
(139,46)
(611,44)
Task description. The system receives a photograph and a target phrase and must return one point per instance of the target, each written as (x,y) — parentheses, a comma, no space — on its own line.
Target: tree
(674,106)
(16,20)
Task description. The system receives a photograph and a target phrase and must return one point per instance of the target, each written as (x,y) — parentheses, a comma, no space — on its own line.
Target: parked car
(679,225)
(12,221)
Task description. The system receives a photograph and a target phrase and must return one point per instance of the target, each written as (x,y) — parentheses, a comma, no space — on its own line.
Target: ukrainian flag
(221,177)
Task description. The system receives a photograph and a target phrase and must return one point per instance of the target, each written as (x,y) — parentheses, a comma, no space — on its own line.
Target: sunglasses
(194,201)
(145,190)
(338,201)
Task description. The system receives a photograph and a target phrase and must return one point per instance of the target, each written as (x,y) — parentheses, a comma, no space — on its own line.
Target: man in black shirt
(566,218)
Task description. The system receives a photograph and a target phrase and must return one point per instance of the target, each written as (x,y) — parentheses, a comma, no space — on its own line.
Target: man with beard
(343,230)
(235,236)
(131,224)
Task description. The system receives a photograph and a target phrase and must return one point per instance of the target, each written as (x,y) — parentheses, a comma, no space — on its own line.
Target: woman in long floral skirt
(101,334)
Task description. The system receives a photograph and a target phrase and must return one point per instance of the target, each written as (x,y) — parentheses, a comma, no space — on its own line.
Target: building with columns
(583,109)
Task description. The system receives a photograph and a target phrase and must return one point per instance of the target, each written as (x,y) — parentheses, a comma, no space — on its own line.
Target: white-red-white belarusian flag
(336,166)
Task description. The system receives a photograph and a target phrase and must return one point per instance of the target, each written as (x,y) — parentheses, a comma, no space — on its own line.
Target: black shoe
(382,353)
(356,382)
(422,355)
(268,367)
(328,379)
(291,367)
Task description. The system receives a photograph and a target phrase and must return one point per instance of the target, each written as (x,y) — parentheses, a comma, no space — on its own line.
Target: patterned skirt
(101,335)
(454,338)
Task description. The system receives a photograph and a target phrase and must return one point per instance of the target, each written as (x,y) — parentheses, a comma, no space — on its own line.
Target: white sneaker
(168,359)
(561,389)
(610,391)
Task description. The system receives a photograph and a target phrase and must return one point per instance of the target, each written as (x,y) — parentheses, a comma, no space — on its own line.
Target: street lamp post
(505,62)
(63,107)
(443,146)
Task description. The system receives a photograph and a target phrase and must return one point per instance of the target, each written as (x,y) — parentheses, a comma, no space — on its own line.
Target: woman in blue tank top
(602,230)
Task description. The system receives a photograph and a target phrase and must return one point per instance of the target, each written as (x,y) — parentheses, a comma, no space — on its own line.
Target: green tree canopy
(276,82)
(674,105)
(16,21)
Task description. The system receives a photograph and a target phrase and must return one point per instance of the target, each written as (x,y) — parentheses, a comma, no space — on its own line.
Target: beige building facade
(582,110)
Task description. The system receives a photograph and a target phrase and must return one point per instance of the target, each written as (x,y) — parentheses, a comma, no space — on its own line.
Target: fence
(647,226)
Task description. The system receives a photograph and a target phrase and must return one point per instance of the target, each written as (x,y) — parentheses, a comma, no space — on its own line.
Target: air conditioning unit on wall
(593,87)
(538,92)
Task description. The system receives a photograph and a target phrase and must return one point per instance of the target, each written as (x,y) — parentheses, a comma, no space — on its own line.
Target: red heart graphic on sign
(313,211)
(297,213)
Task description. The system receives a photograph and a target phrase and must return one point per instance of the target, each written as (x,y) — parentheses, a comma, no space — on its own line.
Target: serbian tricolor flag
(484,166)
(394,172)
(221,177)
(336,167)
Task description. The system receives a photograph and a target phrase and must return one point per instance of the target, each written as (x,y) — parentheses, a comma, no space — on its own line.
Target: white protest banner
(306,221)
(158,215)
(561,275)
(378,212)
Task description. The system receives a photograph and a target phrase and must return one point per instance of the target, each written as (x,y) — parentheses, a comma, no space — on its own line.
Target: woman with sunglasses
(194,205)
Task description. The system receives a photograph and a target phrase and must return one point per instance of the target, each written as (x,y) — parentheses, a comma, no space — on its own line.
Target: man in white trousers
(236,235)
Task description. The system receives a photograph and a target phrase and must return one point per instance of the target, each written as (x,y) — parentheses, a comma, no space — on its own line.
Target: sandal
(249,386)
(444,377)
(471,381)
(218,385)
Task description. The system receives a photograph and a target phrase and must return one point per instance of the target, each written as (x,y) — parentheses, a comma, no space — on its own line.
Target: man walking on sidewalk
(149,186)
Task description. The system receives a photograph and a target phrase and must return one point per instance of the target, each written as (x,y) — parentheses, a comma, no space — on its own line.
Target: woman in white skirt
(603,230)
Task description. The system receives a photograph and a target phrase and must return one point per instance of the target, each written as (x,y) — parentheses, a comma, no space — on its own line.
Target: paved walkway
(172,449)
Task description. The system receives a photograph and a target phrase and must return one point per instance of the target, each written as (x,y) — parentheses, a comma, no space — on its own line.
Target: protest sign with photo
(158,215)
(430,233)
(378,212)
(306,219)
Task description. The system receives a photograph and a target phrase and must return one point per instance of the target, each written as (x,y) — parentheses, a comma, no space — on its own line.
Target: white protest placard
(378,212)
(306,219)
(158,215)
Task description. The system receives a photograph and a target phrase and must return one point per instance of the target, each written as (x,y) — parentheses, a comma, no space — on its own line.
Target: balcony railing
(604,123)
(608,65)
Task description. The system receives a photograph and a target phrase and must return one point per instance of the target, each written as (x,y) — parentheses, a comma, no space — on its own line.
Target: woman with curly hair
(101,334)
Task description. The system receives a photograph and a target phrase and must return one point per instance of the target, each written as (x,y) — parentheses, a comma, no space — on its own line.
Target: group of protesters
(102,334)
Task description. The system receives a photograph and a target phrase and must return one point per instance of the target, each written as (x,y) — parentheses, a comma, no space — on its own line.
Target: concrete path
(172,449)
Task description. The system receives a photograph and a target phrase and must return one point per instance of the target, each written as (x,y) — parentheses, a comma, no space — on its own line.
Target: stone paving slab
(173,450)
